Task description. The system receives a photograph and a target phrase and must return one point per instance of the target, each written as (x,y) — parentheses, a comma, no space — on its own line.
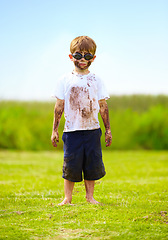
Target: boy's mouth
(82,65)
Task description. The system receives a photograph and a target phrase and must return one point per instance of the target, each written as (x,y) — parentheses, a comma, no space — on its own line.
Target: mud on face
(78,66)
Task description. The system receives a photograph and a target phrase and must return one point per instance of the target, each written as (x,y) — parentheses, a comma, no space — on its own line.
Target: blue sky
(131,38)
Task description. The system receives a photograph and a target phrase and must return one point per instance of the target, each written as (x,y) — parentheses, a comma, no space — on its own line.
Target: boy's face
(85,60)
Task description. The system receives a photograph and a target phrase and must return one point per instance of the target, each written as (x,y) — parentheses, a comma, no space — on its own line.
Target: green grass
(134,197)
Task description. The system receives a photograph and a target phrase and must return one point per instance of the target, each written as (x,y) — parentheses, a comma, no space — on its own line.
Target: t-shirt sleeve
(102,92)
(59,90)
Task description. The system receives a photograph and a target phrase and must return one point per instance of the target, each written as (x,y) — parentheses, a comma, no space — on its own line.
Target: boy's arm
(58,110)
(105,117)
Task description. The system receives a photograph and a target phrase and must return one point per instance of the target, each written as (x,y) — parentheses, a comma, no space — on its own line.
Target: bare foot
(64,202)
(92,200)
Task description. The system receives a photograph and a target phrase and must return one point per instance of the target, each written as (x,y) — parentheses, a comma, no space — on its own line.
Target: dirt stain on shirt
(80,101)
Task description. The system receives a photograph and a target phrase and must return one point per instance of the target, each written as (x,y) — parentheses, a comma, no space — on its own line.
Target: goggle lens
(78,56)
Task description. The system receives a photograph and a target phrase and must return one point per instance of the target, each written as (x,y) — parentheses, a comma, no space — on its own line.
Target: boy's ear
(93,58)
(70,56)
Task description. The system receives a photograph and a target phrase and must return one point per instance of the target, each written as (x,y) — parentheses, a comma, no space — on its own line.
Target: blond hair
(83,43)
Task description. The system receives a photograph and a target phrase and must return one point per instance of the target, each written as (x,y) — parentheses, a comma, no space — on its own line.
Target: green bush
(137,103)
(152,129)
(26,126)
(136,122)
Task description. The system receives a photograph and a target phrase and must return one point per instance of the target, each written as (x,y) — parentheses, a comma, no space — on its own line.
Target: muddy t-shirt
(81,94)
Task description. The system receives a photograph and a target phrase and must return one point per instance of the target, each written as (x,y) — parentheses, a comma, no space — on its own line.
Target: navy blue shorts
(83,154)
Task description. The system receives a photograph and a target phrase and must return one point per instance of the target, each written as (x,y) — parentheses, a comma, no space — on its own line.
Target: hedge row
(144,125)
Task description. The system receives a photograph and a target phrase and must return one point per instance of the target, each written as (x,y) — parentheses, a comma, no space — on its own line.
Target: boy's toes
(92,200)
(64,202)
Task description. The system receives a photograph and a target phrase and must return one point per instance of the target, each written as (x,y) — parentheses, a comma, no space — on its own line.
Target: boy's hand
(108,138)
(55,138)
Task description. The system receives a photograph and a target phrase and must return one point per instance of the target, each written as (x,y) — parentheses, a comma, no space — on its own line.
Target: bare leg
(68,188)
(89,185)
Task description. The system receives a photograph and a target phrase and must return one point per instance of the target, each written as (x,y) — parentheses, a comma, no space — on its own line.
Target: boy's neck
(80,71)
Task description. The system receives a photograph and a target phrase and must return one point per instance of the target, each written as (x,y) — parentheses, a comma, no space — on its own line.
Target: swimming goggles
(78,56)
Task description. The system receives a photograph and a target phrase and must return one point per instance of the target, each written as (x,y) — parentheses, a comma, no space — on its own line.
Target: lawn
(133,196)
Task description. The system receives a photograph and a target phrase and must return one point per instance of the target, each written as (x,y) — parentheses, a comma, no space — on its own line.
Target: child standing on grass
(81,95)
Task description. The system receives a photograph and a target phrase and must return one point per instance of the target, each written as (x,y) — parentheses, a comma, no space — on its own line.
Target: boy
(81,95)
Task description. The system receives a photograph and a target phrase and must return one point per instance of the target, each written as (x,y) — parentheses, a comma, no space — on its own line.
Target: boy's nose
(82,58)
(83,54)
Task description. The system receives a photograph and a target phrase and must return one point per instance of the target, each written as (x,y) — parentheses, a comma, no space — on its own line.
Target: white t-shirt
(81,94)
